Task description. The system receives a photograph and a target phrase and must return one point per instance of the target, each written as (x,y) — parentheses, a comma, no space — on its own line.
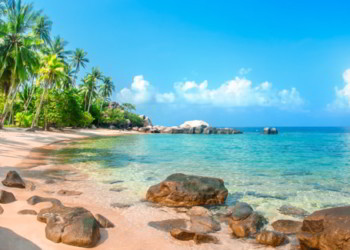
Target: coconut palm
(58,47)
(106,89)
(92,81)
(42,29)
(51,73)
(79,59)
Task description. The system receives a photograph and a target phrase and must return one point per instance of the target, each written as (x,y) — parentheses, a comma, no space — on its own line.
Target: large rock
(287,226)
(326,229)
(271,238)
(204,224)
(195,124)
(74,226)
(146,121)
(13,180)
(6,197)
(103,221)
(270,131)
(241,211)
(180,190)
(247,227)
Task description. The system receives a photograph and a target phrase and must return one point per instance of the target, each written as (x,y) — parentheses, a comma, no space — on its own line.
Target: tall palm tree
(42,29)
(106,89)
(51,73)
(58,47)
(18,50)
(79,59)
(92,80)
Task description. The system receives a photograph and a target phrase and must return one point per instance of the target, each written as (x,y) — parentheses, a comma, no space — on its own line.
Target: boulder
(270,131)
(6,197)
(198,130)
(246,227)
(112,127)
(205,238)
(326,229)
(180,190)
(241,211)
(293,211)
(194,124)
(287,226)
(37,199)
(27,212)
(13,180)
(166,131)
(271,238)
(199,211)
(182,234)
(204,224)
(146,121)
(1,210)
(103,222)
(68,193)
(74,226)
(168,225)
(135,129)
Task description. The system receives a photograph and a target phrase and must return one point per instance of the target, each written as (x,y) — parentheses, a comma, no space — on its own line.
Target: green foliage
(87,120)
(24,119)
(115,117)
(128,107)
(135,119)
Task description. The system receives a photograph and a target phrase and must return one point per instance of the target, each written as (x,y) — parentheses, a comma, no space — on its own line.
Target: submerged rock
(6,197)
(14,180)
(326,229)
(37,199)
(168,225)
(27,212)
(293,211)
(287,226)
(241,211)
(271,238)
(74,226)
(180,190)
(246,227)
(204,224)
(103,221)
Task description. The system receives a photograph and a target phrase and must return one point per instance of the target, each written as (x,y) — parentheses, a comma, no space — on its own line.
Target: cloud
(342,100)
(244,71)
(238,92)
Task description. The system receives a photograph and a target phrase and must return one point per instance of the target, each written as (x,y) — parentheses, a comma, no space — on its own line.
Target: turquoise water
(308,168)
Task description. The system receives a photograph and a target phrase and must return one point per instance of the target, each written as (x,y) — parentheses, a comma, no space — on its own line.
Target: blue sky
(230,63)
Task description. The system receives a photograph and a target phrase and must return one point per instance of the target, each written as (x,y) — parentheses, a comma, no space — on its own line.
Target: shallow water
(307,168)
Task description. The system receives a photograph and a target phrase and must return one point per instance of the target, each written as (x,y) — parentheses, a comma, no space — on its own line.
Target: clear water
(304,167)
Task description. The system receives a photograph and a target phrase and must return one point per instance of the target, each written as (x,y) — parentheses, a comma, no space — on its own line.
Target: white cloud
(244,71)
(238,92)
(342,101)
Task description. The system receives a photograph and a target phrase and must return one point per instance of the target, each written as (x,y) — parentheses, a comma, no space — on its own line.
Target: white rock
(195,124)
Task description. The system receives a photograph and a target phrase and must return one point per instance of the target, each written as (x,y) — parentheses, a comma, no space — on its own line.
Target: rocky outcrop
(287,226)
(326,229)
(103,222)
(13,180)
(271,238)
(270,131)
(180,190)
(6,197)
(74,226)
(293,211)
(195,124)
(146,121)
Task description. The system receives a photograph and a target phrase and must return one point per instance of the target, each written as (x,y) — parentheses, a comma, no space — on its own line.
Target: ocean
(304,167)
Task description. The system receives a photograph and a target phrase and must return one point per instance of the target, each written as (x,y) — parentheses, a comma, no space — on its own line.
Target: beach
(29,154)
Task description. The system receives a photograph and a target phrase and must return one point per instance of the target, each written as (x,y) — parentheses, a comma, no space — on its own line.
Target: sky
(230,63)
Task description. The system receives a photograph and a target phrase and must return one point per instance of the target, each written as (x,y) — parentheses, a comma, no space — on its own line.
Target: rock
(180,190)
(144,130)
(194,124)
(241,211)
(168,225)
(68,193)
(120,205)
(135,129)
(37,199)
(113,105)
(270,131)
(1,210)
(166,131)
(199,211)
(50,181)
(6,197)
(182,234)
(13,180)
(74,226)
(287,226)
(293,211)
(248,226)
(146,121)
(103,221)
(27,212)
(198,130)
(205,238)
(271,238)
(93,126)
(203,224)
(118,190)
(326,229)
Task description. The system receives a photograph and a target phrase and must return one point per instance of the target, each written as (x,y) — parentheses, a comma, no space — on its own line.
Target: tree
(106,89)
(92,80)
(57,47)
(128,107)
(42,29)
(50,73)
(79,59)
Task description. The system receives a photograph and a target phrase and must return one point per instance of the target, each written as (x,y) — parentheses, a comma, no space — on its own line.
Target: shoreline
(131,231)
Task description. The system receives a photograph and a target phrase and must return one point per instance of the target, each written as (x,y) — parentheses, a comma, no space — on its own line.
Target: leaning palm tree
(42,29)
(106,89)
(51,73)
(79,59)
(58,47)
(18,49)
(92,80)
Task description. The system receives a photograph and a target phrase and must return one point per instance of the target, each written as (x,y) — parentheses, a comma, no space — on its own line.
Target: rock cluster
(180,190)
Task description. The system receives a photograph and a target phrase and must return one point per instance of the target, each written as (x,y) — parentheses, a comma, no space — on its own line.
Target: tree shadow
(13,241)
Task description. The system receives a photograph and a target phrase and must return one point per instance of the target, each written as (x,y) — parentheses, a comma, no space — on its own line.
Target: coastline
(28,153)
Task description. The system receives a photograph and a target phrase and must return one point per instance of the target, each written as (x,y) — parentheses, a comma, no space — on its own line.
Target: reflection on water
(305,169)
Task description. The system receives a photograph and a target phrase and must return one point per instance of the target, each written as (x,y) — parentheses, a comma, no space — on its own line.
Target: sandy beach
(30,155)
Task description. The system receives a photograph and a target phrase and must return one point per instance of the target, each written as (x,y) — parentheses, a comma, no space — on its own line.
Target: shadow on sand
(13,241)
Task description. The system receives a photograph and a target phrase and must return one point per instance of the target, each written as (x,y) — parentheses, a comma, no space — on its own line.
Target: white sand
(28,153)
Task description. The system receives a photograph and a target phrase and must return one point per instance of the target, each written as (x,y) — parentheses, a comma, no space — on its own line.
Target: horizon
(234,64)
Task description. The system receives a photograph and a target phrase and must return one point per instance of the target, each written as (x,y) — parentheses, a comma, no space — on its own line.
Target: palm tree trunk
(30,97)
(89,102)
(11,97)
(38,110)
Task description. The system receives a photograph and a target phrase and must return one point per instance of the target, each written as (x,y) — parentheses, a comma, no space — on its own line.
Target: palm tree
(57,47)
(106,89)
(79,59)
(42,29)
(92,81)
(51,73)
(18,50)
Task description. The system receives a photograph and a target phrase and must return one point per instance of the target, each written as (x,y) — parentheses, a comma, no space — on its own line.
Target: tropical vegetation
(40,83)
